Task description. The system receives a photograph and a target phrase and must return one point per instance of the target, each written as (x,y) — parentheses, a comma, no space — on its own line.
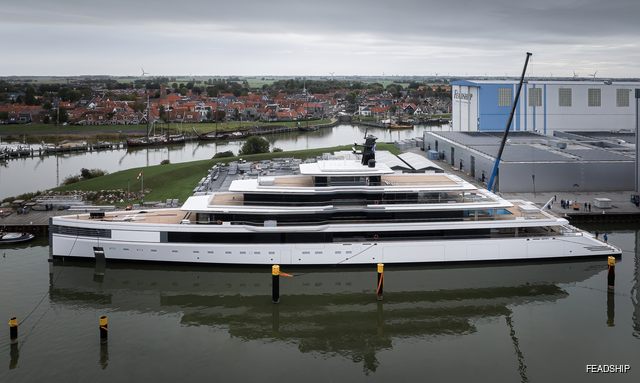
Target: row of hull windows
(322,237)
(565,99)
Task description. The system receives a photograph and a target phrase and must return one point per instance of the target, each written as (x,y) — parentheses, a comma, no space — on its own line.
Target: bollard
(13,330)
(380,281)
(611,276)
(275,284)
(104,328)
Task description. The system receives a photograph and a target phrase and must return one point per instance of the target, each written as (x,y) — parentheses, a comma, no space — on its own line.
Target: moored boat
(333,212)
(12,237)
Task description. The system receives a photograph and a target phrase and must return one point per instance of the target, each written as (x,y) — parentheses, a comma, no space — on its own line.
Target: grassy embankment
(40,132)
(178,180)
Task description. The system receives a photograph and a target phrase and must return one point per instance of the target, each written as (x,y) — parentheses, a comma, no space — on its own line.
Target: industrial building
(579,161)
(544,106)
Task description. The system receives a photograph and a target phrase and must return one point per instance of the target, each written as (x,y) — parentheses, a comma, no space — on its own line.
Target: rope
(522,366)
(30,331)
(46,294)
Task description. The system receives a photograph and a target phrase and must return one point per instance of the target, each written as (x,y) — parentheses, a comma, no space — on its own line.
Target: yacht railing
(483,218)
(359,202)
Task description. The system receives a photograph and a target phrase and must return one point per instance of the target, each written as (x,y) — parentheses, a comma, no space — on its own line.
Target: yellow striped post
(104,328)
(13,329)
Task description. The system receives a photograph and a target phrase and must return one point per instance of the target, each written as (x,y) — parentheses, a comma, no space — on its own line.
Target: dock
(34,222)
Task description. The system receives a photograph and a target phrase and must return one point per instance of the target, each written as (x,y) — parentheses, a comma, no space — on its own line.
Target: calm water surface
(534,322)
(24,175)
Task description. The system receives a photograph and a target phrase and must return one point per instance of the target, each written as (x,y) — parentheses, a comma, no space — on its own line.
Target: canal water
(520,322)
(24,175)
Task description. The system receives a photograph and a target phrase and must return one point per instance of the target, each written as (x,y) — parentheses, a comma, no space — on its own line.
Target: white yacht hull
(451,250)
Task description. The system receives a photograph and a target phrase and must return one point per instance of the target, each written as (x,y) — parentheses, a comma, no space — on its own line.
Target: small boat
(101,145)
(308,128)
(147,141)
(400,126)
(175,139)
(10,237)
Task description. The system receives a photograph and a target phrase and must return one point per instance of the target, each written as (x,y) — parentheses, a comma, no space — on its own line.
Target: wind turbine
(143,72)
(594,74)
(575,75)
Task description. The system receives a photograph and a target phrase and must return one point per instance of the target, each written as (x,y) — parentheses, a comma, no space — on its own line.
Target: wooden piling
(611,275)
(13,330)
(104,328)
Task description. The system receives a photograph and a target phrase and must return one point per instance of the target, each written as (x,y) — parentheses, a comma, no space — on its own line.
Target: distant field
(258,83)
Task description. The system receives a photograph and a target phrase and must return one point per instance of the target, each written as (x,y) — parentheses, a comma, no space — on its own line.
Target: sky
(320,38)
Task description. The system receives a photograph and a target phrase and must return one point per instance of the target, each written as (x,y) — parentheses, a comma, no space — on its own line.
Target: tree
(30,96)
(64,116)
(351,97)
(228,153)
(220,115)
(254,145)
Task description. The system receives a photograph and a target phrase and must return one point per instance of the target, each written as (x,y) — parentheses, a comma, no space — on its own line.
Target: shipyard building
(544,106)
(578,161)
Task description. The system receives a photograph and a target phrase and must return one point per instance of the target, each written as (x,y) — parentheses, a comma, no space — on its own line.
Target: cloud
(304,37)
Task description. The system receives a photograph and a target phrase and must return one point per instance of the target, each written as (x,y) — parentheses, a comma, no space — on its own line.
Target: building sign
(462,96)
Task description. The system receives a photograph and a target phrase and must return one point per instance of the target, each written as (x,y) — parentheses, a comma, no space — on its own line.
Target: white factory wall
(475,107)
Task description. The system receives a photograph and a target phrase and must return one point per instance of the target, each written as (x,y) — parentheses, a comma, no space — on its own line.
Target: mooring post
(380,281)
(611,276)
(13,330)
(104,328)
(275,283)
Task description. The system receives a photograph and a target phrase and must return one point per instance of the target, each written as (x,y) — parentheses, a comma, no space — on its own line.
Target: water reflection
(635,288)
(323,311)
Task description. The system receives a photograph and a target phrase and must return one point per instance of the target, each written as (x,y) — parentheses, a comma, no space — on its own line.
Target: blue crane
(494,173)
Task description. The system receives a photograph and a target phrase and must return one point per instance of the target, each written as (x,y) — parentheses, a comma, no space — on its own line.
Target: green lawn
(178,180)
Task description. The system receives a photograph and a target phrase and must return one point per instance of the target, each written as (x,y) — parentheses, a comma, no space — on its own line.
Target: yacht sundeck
(333,212)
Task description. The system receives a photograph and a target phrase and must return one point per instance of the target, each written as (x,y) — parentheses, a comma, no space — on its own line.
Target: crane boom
(494,173)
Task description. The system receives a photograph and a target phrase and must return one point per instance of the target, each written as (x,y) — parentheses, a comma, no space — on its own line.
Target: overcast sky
(346,37)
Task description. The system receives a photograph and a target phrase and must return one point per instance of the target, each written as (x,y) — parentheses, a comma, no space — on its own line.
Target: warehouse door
(452,158)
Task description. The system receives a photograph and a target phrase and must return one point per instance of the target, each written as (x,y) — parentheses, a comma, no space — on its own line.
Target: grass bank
(178,180)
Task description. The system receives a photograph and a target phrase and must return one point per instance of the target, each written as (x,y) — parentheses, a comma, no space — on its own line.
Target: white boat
(9,237)
(334,212)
